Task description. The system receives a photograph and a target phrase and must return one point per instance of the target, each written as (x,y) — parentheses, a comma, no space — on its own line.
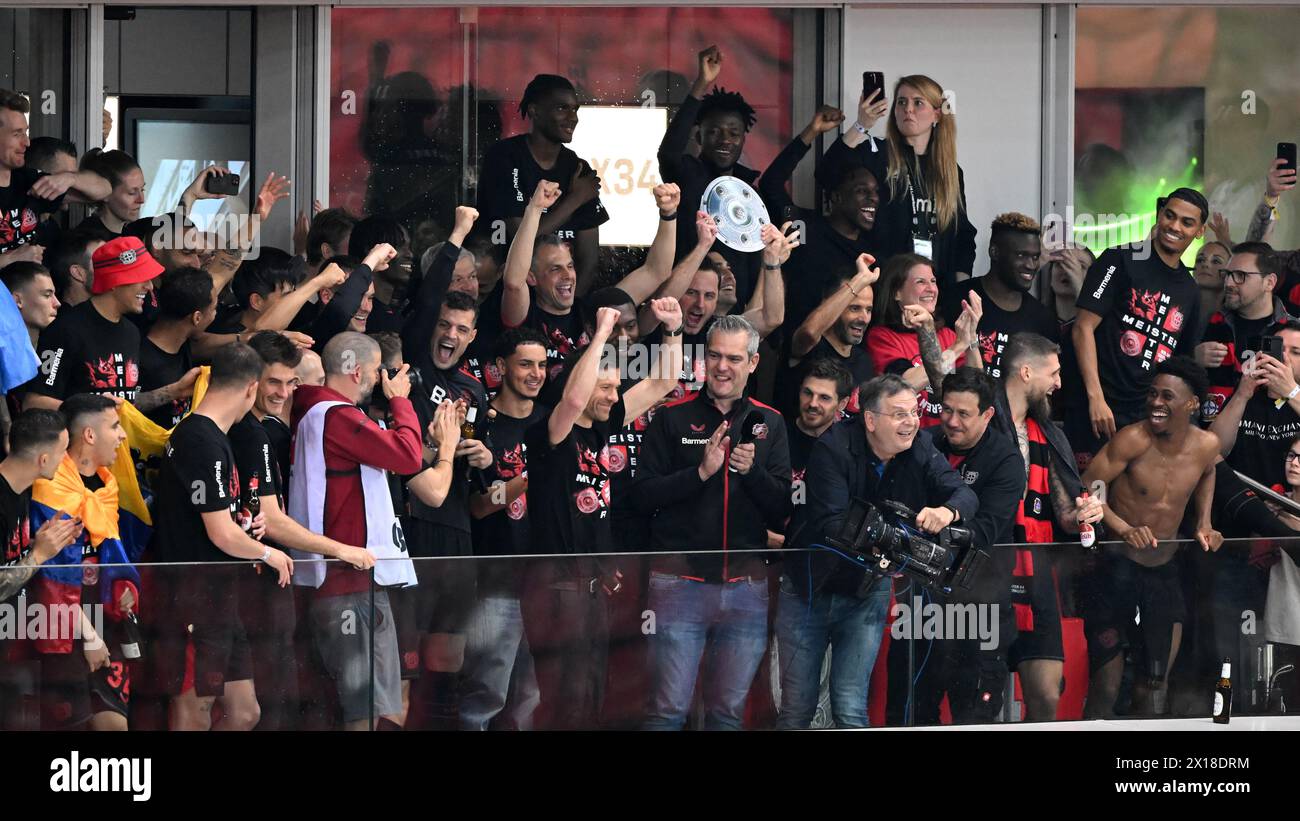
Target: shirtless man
(1150,470)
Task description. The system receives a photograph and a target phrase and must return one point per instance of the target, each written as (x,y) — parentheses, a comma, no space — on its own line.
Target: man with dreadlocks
(724,119)
(513,167)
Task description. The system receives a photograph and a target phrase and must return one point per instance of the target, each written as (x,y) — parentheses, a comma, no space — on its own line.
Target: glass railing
(751,640)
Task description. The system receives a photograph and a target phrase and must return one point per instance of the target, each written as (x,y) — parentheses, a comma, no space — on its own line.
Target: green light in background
(1135,228)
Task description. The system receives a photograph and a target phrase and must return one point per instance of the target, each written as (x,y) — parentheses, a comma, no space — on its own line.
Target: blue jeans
(853,627)
(496,652)
(730,621)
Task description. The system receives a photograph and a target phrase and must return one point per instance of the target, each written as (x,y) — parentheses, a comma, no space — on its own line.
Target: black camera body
(884,542)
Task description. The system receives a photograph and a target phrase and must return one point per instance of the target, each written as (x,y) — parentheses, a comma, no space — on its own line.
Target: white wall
(990,58)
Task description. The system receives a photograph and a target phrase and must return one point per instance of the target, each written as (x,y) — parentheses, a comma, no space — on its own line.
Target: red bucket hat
(124,261)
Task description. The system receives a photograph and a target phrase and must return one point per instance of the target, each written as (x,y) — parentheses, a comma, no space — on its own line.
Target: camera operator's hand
(934,519)
(714,452)
(742,458)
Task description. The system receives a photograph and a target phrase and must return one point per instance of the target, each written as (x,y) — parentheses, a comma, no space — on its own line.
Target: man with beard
(1151,470)
(1031,372)
(831,243)
(1137,308)
(724,118)
(1250,308)
(568,498)
(540,282)
(513,167)
(835,331)
(341,455)
(1015,247)
(91,347)
(497,650)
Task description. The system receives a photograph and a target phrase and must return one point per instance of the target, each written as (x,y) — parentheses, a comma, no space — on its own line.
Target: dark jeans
(567,626)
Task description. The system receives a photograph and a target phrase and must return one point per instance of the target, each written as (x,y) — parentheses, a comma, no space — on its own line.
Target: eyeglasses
(900,416)
(1236,276)
(1293,457)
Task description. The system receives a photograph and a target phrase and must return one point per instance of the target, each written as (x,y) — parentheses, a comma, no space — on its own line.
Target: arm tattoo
(1260,222)
(931,357)
(148,400)
(1061,501)
(14,577)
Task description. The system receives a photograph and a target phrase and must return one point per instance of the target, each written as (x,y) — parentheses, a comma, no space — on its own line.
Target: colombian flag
(59,581)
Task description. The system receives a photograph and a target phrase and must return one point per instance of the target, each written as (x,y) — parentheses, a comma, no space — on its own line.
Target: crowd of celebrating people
(466,478)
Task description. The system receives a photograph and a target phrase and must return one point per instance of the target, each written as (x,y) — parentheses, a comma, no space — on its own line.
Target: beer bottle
(1087,535)
(254,506)
(1223,695)
(131,640)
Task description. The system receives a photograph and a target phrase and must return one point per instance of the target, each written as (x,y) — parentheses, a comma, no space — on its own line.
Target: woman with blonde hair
(923,197)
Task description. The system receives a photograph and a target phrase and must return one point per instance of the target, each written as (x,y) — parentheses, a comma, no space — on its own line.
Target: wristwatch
(680,330)
(769,267)
(955,514)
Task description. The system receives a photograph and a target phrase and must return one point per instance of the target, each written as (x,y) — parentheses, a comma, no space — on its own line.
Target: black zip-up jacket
(727,513)
(995,472)
(693,175)
(843,467)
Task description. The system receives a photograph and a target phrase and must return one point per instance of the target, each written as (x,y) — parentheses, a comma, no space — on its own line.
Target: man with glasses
(1250,308)
(829,601)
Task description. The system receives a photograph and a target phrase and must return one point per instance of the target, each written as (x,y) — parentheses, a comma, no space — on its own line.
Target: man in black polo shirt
(1015,247)
(1138,306)
(568,500)
(513,167)
(724,118)
(1250,309)
(91,347)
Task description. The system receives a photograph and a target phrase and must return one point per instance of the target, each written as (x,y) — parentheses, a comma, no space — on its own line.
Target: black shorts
(1037,609)
(448,587)
(71,694)
(202,643)
(402,602)
(1116,592)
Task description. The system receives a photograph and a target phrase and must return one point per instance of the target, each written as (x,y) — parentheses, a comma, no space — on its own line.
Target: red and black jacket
(728,512)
